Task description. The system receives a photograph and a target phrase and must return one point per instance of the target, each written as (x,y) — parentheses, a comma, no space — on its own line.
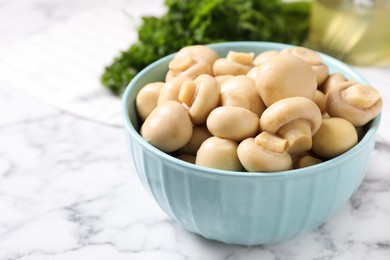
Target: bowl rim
(318,168)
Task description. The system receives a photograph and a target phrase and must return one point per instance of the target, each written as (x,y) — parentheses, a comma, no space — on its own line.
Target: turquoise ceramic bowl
(240,207)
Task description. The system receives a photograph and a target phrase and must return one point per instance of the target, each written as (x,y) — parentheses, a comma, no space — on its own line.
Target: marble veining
(69,190)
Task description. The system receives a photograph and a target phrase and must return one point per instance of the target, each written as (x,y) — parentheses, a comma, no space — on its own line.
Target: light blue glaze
(240,207)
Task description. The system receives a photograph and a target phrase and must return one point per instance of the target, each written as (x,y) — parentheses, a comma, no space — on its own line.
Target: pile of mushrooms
(275,111)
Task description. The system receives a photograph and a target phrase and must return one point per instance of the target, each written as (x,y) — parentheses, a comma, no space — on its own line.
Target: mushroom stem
(241,57)
(219,153)
(200,97)
(298,135)
(187,92)
(271,142)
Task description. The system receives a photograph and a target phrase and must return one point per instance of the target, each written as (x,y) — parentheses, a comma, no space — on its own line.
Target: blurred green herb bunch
(189,22)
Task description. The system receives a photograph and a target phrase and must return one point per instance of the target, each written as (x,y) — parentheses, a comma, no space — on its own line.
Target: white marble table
(67,186)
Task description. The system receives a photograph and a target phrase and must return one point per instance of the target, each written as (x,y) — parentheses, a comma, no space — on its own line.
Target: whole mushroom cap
(305,161)
(322,72)
(312,58)
(170,90)
(355,102)
(295,119)
(168,127)
(335,136)
(235,63)
(147,99)
(308,55)
(331,81)
(257,158)
(222,78)
(260,58)
(319,99)
(252,73)
(199,135)
(192,61)
(283,76)
(219,153)
(242,86)
(201,96)
(199,52)
(233,123)
(287,110)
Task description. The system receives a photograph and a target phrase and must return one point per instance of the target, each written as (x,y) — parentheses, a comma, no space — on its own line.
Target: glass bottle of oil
(356,31)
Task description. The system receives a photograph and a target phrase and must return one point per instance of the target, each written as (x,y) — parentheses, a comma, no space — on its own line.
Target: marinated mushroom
(297,158)
(222,78)
(235,63)
(308,55)
(335,136)
(233,123)
(241,91)
(199,135)
(260,58)
(331,81)
(192,61)
(252,73)
(168,127)
(171,89)
(200,96)
(296,119)
(325,115)
(219,153)
(353,101)
(319,99)
(306,161)
(321,71)
(312,58)
(294,133)
(277,79)
(147,98)
(265,153)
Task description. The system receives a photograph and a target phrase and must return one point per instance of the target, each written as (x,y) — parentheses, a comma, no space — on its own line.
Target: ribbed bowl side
(249,211)
(241,208)
(138,158)
(151,173)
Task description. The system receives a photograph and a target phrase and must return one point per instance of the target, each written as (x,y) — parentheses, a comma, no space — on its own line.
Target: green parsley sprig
(189,22)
